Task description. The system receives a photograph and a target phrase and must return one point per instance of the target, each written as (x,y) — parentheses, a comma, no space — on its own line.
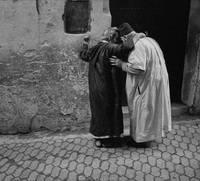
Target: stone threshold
(178,109)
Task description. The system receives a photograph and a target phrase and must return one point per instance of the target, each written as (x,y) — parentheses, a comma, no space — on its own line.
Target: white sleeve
(136,61)
(127,67)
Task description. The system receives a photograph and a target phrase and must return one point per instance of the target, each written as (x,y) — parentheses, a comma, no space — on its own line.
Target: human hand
(86,38)
(116,61)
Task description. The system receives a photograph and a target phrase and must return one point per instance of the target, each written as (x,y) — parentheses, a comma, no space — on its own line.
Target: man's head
(125,29)
(111,35)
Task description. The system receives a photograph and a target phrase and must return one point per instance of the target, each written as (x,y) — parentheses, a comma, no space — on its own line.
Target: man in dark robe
(104,87)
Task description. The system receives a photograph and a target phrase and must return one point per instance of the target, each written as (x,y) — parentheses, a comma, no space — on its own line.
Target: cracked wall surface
(43,82)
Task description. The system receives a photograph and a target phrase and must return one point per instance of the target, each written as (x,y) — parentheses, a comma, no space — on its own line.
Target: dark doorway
(165,21)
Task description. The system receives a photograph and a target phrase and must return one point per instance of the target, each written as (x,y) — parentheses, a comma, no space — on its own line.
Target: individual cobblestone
(34,165)
(63,174)
(33,176)
(19,157)
(3,161)
(48,169)
(56,150)
(88,171)
(8,178)
(2,176)
(11,169)
(25,174)
(96,173)
(175,158)
(55,172)
(41,177)
(40,167)
(7,153)
(18,172)
(41,155)
(4,168)
(13,155)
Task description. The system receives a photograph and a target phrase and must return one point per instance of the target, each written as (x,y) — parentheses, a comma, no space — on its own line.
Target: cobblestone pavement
(74,158)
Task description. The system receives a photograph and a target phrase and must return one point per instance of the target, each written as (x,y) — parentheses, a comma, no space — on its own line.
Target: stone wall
(43,82)
(191,76)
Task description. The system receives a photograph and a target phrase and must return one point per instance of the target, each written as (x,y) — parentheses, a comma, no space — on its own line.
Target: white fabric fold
(147,93)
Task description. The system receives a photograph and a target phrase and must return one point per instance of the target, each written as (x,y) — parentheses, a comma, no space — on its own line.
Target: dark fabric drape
(104,89)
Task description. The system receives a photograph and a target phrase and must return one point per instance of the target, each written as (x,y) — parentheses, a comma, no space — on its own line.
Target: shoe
(117,142)
(103,143)
(142,145)
(113,142)
(132,143)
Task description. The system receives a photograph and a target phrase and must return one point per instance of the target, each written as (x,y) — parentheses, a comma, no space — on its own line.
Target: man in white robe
(147,88)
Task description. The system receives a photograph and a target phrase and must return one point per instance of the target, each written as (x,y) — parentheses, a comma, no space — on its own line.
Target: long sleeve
(128,67)
(137,60)
(119,50)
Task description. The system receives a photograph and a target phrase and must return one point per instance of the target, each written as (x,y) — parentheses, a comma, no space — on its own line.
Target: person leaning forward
(147,88)
(104,87)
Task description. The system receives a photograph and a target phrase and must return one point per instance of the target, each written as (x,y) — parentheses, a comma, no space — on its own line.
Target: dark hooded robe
(104,88)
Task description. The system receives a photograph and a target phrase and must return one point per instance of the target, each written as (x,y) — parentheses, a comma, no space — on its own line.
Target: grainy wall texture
(43,83)
(191,75)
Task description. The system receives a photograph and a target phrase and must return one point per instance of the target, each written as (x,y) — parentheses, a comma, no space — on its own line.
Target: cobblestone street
(74,158)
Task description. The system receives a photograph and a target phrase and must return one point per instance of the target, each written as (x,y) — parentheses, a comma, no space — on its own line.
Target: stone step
(178,109)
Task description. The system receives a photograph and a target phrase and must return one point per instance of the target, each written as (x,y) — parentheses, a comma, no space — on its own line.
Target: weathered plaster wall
(43,83)
(191,77)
